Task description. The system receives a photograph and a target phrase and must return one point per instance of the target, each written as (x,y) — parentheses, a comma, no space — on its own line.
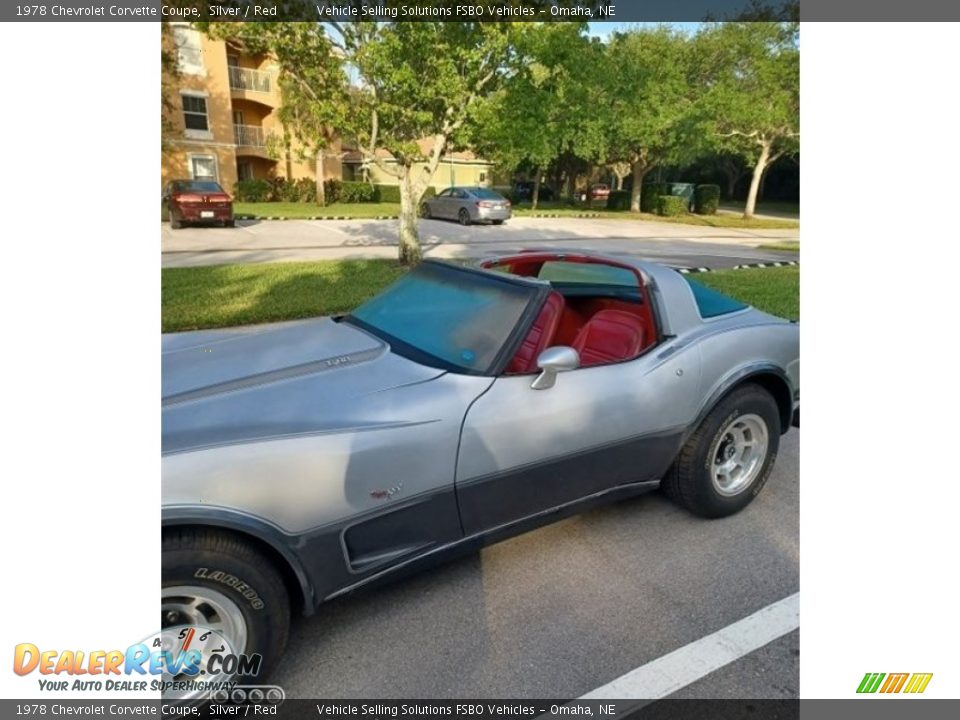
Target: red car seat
(539,335)
(608,337)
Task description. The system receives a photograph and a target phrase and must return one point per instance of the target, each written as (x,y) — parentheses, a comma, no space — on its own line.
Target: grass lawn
(791,245)
(773,290)
(306,210)
(371,210)
(722,221)
(226,295)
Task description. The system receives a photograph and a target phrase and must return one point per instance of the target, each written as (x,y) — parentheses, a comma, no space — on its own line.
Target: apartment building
(222,123)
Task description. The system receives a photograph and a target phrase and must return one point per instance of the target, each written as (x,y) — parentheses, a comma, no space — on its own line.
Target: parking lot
(284,240)
(566,609)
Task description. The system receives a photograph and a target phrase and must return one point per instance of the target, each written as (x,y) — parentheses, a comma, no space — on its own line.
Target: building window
(189,50)
(483,177)
(195,112)
(203,167)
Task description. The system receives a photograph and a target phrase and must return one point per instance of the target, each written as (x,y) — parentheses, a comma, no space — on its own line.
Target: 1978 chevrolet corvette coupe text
(460,406)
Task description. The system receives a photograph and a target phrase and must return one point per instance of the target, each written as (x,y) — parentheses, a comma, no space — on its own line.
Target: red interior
(610,336)
(603,330)
(541,333)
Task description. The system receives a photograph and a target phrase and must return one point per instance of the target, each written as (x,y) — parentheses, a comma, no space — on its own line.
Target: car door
(440,205)
(525,451)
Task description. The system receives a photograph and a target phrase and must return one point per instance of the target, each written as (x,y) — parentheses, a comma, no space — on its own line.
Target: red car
(599,191)
(197,201)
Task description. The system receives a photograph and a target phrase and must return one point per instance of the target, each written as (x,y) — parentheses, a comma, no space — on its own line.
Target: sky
(603,29)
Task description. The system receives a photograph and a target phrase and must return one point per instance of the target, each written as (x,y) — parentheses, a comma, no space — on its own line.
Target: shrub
(706,199)
(387,193)
(671,205)
(649,196)
(332,190)
(618,200)
(251,191)
(357,192)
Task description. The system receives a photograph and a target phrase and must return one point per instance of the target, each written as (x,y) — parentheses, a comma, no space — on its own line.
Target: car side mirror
(551,361)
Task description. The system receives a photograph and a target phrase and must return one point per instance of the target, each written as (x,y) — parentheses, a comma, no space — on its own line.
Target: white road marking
(665,675)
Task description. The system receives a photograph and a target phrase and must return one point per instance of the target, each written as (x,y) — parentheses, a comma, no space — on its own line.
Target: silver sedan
(468,205)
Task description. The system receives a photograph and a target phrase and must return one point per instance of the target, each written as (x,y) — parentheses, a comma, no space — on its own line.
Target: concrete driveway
(563,610)
(255,241)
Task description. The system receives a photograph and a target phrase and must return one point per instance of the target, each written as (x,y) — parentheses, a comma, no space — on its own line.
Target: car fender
(260,531)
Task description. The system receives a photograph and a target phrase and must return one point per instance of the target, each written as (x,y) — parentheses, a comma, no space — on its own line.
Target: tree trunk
(321,172)
(535,198)
(731,184)
(640,170)
(572,186)
(410,252)
(758,169)
(619,181)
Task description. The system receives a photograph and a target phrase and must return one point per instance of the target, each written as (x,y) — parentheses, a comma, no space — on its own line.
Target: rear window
(588,274)
(711,303)
(485,194)
(197,186)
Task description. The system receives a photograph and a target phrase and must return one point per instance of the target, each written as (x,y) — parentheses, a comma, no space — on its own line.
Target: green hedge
(671,205)
(706,199)
(387,193)
(252,191)
(618,200)
(650,194)
(357,192)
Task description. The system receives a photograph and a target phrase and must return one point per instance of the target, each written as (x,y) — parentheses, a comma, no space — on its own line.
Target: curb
(558,215)
(315,217)
(745,266)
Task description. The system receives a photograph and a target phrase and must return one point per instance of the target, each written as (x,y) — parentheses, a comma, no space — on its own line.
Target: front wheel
(464,216)
(218,581)
(727,460)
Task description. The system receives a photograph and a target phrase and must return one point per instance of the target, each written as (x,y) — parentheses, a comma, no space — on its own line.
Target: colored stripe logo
(894,682)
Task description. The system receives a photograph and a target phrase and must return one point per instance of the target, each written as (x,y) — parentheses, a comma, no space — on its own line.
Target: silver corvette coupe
(305,460)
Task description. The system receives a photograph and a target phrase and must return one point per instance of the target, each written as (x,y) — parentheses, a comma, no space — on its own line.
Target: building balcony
(256,85)
(251,140)
(248,79)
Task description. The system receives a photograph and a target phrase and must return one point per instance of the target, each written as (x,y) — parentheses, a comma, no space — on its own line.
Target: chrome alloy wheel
(739,454)
(204,607)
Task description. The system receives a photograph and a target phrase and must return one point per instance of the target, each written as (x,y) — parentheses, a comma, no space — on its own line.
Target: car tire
(464,216)
(425,211)
(174,223)
(728,459)
(229,223)
(498,222)
(240,585)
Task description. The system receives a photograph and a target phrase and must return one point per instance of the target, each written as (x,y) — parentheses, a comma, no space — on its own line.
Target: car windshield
(485,194)
(448,317)
(197,186)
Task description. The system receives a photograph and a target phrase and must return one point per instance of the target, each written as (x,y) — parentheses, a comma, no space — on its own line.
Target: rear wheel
(727,461)
(175,223)
(498,222)
(464,216)
(425,211)
(216,580)
(229,223)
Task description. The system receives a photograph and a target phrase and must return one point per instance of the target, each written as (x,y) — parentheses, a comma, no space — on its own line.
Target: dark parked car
(599,191)
(197,201)
(523,191)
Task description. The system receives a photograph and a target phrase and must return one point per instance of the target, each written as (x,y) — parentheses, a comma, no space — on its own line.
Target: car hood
(222,387)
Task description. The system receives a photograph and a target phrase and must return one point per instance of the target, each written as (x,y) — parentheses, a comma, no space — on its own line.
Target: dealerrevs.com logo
(911,683)
(186,661)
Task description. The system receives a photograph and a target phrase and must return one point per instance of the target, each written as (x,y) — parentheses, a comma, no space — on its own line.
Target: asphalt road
(567,608)
(286,240)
